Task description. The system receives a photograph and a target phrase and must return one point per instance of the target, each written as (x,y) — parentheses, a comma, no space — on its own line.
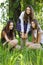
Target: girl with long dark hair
(37,35)
(7,34)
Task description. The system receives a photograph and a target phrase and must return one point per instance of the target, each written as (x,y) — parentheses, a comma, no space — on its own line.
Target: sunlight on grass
(1,27)
(23,57)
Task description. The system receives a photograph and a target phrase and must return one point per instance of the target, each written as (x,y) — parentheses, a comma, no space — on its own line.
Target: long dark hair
(36,24)
(7,30)
(31,15)
(36,27)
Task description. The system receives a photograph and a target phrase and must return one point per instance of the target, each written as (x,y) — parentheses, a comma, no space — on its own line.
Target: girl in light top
(25,19)
(35,31)
(37,35)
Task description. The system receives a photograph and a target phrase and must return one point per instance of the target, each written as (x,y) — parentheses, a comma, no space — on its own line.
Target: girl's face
(28,10)
(33,24)
(11,26)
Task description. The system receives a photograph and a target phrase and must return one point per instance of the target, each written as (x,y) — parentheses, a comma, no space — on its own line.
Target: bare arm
(39,35)
(5,36)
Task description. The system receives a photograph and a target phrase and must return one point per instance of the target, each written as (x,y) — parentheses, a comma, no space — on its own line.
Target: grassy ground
(25,56)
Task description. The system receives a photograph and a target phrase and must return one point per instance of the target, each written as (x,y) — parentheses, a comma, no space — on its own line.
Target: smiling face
(11,26)
(28,10)
(33,24)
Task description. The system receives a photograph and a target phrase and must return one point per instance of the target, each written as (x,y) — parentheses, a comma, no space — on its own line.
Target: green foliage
(4,11)
(14,7)
(25,56)
(36,4)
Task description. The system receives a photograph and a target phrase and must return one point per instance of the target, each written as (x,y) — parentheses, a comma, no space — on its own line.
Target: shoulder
(22,14)
(3,33)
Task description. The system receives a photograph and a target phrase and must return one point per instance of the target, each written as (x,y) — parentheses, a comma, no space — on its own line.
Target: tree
(14,9)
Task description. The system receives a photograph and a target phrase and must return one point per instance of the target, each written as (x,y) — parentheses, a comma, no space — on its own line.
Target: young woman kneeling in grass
(37,38)
(7,34)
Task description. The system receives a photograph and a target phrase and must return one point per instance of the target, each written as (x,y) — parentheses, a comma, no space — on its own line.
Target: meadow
(26,56)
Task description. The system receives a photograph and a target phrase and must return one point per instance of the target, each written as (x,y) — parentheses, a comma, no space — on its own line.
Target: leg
(22,42)
(13,42)
(33,45)
(28,43)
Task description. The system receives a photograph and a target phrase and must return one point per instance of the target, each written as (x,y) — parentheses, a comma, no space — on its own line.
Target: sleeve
(28,27)
(21,18)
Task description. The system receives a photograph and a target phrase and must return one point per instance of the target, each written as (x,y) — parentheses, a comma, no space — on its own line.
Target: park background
(11,9)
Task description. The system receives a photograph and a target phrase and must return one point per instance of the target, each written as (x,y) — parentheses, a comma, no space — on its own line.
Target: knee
(27,44)
(16,41)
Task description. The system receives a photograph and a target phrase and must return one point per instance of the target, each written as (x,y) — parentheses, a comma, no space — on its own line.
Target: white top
(41,37)
(35,35)
(22,26)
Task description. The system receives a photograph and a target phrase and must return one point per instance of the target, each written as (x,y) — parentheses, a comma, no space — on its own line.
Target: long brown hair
(36,24)
(31,15)
(36,27)
(7,31)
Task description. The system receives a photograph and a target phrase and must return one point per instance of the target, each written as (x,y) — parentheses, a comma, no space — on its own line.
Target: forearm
(39,37)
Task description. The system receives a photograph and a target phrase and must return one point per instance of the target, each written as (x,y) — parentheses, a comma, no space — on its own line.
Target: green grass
(1,26)
(25,56)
